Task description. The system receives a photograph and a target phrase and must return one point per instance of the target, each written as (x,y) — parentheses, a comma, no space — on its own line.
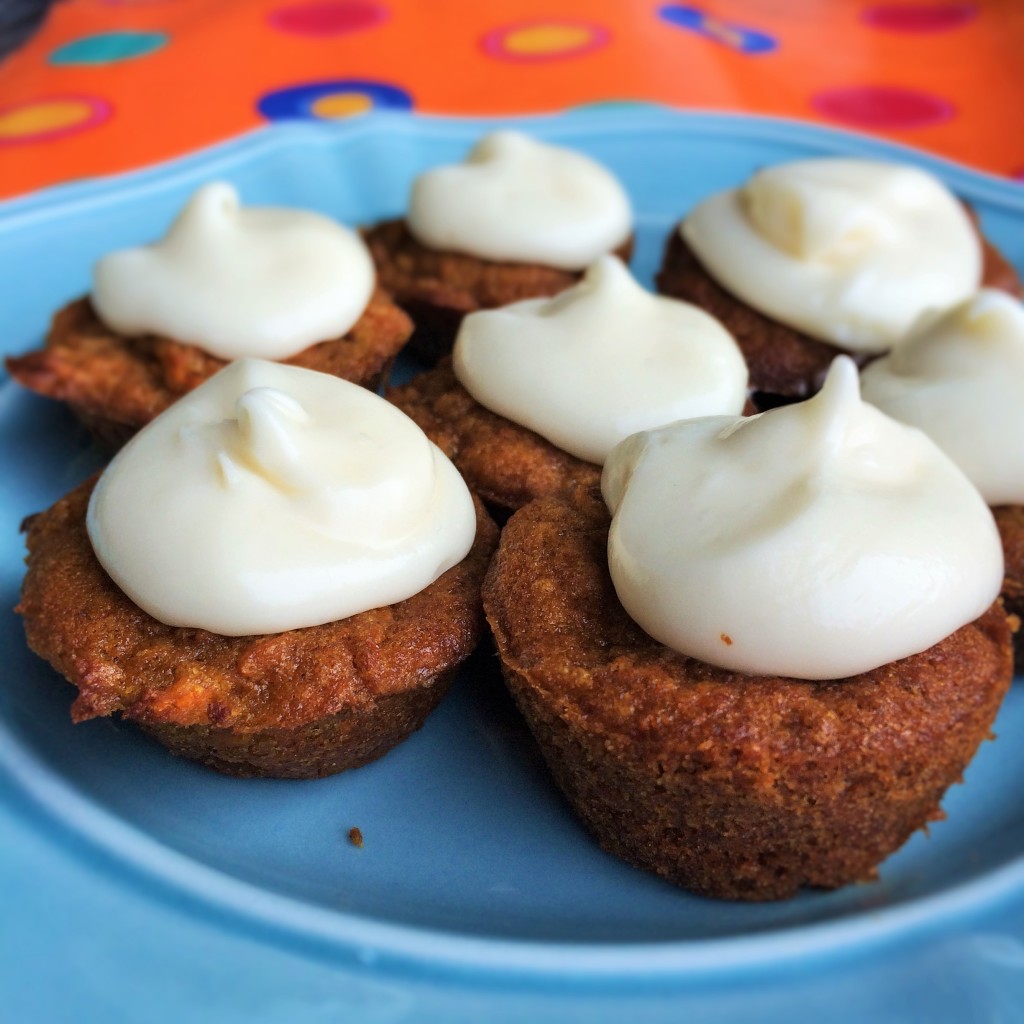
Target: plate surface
(473,870)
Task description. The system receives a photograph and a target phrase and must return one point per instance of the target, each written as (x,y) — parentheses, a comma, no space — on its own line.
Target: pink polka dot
(918,18)
(882,107)
(327,19)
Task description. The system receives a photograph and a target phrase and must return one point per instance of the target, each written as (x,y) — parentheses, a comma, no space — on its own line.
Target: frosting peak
(515,198)
(849,251)
(238,281)
(272,498)
(823,539)
(599,362)
(828,211)
(959,379)
(265,438)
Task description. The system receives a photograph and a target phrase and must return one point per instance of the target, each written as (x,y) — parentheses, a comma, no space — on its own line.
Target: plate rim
(639,118)
(369,941)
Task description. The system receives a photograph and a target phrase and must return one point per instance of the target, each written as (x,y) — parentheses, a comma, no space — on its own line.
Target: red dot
(882,107)
(327,19)
(918,18)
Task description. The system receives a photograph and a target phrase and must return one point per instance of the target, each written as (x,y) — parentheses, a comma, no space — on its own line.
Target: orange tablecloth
(110,85)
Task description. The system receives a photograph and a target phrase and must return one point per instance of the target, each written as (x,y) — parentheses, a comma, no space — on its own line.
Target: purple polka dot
(882,107)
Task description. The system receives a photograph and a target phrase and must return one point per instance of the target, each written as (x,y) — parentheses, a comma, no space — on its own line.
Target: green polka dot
(108,48)
(600,106)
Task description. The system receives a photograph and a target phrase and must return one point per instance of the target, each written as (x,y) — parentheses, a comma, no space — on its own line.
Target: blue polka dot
(736,37)
(108,48)
(299,102)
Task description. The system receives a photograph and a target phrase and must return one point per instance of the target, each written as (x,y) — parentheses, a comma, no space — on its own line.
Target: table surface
(111,85)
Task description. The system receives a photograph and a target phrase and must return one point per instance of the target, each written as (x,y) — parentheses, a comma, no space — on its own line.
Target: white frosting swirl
(518,199)
(817,541)
(961,381)
(599,362)
(274,497)
(257,281)
(848,251)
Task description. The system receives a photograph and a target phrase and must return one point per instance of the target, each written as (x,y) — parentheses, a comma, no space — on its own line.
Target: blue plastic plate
(137,886)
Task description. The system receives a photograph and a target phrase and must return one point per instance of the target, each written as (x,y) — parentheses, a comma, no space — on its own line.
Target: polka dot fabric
(111,85)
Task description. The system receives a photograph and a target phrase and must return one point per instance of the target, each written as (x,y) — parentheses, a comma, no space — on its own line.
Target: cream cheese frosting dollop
(817,540)
(599,362)
(274,497)
(961,381)
(239,281)
(518,199)
(848,251)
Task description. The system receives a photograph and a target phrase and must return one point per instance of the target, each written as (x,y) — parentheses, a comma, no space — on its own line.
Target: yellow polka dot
(723,33)
(544,39)
(342,104)
(43,117)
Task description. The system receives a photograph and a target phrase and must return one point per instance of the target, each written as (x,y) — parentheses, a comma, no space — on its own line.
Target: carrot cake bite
(518,219)
(960,379)
(226,282)
(763,671)
(278,576)
(539,392)
(815,258)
